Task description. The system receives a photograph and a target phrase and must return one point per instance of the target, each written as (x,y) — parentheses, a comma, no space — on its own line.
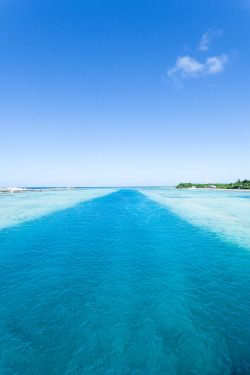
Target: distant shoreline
(28,190)
(213,189)
(238,185)
(24,190)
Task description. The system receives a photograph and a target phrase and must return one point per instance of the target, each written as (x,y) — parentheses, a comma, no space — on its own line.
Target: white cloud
(189,67)
(207,37)
(186,66)
(216,64)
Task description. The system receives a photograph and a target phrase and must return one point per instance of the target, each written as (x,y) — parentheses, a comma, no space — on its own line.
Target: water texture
(226,213)
(20,207)
(122,285)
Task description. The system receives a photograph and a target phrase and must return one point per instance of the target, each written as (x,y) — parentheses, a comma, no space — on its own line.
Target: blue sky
(124,92)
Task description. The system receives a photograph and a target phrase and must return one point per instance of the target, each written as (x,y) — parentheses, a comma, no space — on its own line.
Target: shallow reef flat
(225,213)
(18,208)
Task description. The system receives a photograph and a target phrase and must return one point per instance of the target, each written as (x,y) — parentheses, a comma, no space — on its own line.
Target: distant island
(239,185)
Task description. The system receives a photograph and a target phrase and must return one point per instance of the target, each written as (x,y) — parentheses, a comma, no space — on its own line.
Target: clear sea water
(115,282)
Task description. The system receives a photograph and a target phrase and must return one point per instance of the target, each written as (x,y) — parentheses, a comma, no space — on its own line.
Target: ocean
(125,282)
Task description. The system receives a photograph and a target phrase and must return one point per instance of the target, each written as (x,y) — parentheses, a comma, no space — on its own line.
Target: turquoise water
(20,207)
(124,284)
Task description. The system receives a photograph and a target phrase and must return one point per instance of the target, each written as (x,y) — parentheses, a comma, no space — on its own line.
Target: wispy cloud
(216,64)
(186,66)
(189,67)
(207,38)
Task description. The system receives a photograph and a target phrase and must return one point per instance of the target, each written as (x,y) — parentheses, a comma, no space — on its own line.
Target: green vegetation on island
(245,184)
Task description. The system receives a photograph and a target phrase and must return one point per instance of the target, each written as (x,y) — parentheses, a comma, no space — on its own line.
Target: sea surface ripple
(121,285)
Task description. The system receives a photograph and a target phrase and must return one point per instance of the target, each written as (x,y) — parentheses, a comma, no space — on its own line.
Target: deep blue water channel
(120,285)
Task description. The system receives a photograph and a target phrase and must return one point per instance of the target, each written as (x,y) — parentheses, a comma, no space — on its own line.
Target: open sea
(125,282)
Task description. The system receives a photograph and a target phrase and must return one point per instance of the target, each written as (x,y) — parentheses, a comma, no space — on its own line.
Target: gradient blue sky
(124,92)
